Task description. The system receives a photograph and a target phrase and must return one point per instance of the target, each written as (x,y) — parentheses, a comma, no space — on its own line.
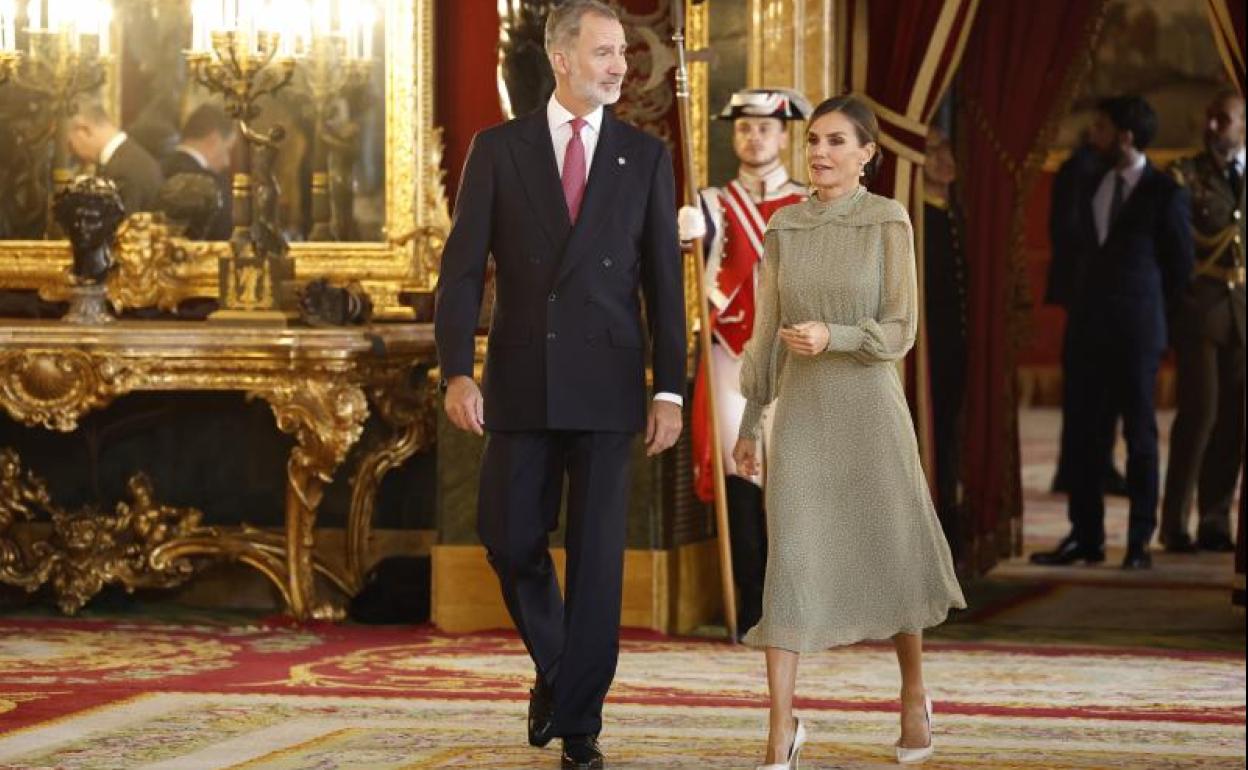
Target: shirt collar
(106,154)
(194,153)
(764,184)
(557,115)
(1132,174)
(1239,158)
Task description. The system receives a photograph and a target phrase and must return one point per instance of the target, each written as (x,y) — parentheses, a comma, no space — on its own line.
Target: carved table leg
(326,419)
(409,414)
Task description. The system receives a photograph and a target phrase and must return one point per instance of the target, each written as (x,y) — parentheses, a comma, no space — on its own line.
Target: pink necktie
(574,170)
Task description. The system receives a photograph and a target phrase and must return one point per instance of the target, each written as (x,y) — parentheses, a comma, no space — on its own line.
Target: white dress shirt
(560,121)
(559,118)
(195,155)
(1105,194)
(110,149)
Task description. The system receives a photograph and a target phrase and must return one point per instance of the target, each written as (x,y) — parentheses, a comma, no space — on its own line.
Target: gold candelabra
(243,67)
(59,67)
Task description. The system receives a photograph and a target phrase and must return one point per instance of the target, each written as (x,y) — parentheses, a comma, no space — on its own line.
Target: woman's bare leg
(781,681)
(914,732)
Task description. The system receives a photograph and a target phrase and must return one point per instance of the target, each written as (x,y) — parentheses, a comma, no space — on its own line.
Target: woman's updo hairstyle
(865,126)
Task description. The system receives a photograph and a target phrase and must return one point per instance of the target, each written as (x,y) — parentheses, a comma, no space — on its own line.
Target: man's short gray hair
(563,25)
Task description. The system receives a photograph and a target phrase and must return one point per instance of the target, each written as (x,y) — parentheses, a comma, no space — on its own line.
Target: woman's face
(834,155)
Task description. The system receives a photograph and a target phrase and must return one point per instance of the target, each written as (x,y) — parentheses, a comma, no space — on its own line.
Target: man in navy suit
(1136,255)
(578,211)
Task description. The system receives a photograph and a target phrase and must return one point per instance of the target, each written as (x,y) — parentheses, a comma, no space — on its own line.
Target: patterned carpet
(1062,670)
(104,694)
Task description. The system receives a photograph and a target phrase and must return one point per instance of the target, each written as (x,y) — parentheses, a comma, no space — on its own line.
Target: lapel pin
(621,160)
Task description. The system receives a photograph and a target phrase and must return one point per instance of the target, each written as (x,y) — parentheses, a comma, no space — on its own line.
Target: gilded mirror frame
(158,270)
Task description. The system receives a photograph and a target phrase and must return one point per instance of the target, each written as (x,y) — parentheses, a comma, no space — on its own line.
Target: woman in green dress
(855,548)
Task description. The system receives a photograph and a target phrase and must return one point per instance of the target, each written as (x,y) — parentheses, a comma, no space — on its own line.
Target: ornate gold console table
(319,384)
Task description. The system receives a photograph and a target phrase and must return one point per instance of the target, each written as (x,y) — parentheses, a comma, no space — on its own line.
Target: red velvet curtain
(901,55)
(1009,105)
(466,97)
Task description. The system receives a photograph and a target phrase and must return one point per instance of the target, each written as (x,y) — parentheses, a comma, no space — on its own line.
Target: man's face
(1103,135)
(82,141)
(1224,125)
(594,62)
(219,152)
(758,141)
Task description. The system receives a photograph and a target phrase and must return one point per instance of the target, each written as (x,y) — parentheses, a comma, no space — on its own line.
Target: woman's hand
(745,455)
(806,339)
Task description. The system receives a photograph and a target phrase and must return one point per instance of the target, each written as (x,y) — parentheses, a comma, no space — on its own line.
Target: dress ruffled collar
(856,209)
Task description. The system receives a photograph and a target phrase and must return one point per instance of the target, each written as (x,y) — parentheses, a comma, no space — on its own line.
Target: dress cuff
(844,339)
(751,419)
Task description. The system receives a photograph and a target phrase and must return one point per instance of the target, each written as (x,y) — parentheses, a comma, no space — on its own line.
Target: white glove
(690,223)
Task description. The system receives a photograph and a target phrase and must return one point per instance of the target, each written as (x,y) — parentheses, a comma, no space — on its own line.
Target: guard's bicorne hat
(778,103)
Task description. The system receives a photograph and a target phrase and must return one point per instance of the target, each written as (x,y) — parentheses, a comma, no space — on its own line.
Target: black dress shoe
(1068,552)
(541,715)
(1215,541)
(1137,557)
(581,752)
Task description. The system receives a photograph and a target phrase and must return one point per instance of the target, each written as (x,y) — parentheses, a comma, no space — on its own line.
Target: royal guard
(731,223)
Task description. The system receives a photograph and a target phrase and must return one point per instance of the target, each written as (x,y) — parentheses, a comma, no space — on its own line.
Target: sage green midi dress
(855,550)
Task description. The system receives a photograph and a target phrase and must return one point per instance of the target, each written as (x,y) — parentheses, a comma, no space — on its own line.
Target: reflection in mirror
(330,167)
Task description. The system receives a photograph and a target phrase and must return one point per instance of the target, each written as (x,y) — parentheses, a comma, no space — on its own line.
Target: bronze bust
(89,210)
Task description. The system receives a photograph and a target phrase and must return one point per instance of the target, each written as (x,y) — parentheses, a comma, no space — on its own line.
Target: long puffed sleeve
(761,357)
(890,335)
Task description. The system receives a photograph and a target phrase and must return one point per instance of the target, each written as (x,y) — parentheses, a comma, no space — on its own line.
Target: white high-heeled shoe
(916,756)
(795,751)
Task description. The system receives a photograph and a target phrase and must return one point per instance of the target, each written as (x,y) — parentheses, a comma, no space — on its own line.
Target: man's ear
(559,62)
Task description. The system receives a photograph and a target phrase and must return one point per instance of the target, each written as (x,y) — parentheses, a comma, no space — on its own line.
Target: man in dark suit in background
(578,211)
(1134,257)
(206,147)
(95,140)
(1072,184)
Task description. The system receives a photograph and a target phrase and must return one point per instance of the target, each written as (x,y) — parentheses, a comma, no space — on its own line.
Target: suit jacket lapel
(605,174)
(534,157)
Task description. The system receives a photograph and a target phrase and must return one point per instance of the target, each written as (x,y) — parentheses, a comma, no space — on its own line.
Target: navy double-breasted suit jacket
(567,347)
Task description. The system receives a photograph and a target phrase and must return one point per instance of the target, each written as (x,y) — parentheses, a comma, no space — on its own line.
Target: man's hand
(464,405)
(690,223)
(663,427)
(806,339)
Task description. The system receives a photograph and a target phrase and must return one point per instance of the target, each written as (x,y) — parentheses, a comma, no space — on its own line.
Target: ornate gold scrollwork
(89,548)
(155,268)
(53,388)
(326,419)
(410,414)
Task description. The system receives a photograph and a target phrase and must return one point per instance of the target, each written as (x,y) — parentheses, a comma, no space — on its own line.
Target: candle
(8,25)
(367,29)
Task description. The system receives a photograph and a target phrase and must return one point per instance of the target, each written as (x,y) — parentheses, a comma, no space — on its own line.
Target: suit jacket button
(607,262)
(550,336)
(553,296)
